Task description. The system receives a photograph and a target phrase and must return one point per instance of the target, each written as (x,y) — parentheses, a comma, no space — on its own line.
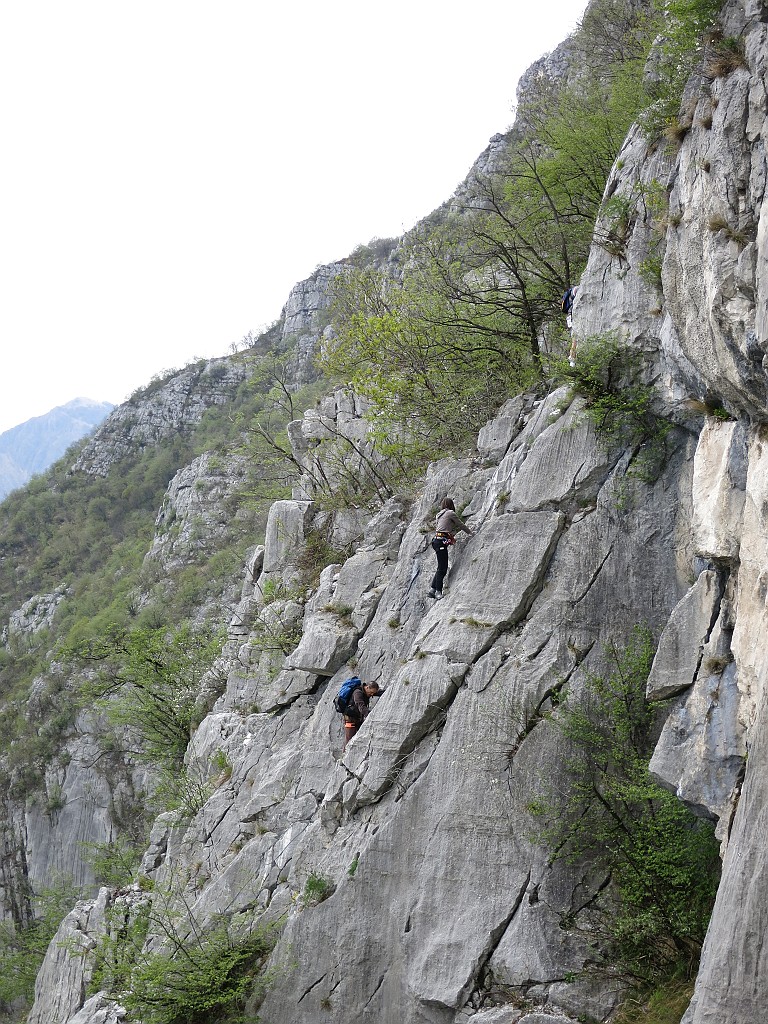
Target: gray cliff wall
(430,800)
(160,411)
(712,346)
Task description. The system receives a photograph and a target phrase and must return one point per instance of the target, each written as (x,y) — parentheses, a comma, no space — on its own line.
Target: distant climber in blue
(447,526)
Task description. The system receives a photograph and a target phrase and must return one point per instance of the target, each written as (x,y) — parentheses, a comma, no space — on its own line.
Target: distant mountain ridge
(32,446)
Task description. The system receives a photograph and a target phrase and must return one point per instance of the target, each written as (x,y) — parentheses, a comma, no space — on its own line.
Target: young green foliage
(662,862)
(205,983)
(465,316)
(316,890)
(24,945)
(203,978)
(114,863)
(610,378)
(686,25)
(405,347)
(147,681)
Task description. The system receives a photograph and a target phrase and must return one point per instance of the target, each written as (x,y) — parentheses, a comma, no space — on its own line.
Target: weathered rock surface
(34,615)
(161,411)
(199,505)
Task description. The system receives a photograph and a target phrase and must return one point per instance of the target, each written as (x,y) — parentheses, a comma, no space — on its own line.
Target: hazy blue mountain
(32,446)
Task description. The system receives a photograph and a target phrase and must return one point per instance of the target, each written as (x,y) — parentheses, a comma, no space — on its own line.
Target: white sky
(171,168)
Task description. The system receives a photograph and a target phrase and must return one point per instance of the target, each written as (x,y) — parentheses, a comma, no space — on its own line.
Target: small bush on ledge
(608,375)
(663,863)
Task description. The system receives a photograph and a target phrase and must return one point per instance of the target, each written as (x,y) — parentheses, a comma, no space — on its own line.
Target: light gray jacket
(449,522)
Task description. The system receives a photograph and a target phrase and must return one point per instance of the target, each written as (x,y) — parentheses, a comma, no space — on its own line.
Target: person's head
(448,503)
(371,689)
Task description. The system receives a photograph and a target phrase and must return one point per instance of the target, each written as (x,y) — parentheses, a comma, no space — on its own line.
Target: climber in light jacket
(447,526)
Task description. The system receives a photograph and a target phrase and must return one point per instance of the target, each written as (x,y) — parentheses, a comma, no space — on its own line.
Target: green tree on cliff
(469,319)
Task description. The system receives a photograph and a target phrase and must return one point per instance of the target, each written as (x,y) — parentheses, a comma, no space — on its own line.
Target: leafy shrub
(204,981)
(147,680)
(609,377)
(619,213)
(662,861)
(273,590)
(23,946)
(221,765)
(114,863)
(157,960)
(316,890)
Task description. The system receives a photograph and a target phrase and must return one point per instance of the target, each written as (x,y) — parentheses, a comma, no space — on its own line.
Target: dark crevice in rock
(314,985)
(528,599)
(716,609)
(209,834)
(533,654)
(415,573)
(378,986)
(472,986)
(593,577)
(432,719)
(551,695)
(735,798)
(591,900)
(316,690)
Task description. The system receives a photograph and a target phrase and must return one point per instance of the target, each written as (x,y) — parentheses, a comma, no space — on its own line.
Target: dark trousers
(440,547)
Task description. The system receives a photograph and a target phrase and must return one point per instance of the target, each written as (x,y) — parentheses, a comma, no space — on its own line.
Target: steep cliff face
(711,342)
(715,337)
(439,906)
(448,899)
(160,411)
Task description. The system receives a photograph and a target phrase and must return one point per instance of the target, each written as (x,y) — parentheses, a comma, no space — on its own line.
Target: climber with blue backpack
(352,702)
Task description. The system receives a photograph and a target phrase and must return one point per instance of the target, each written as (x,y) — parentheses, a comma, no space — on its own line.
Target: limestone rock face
(161,411)
(719,483)
(715,254)
(429,801)
(712,344)
(34,615)
(680,650)
(305,319)
(307,300)
(197,510)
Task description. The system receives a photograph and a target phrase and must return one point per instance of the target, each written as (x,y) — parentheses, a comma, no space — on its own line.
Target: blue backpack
(342,698)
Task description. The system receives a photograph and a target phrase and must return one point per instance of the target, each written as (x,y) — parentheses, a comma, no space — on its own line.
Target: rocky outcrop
(161,410)
(200,505)
(468,895)
(35,615)
(308,302)
(712,342)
